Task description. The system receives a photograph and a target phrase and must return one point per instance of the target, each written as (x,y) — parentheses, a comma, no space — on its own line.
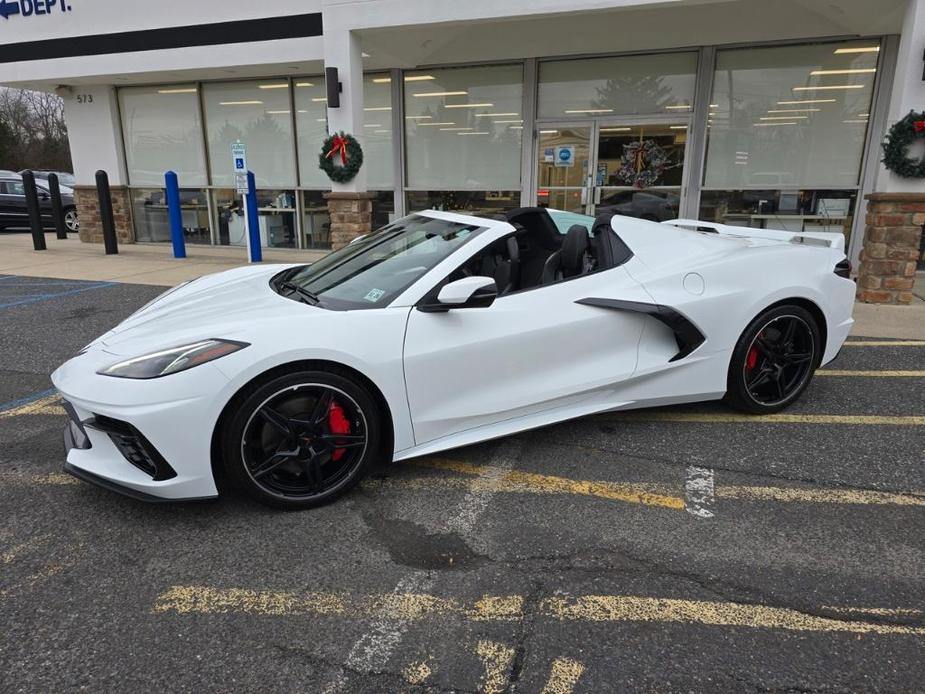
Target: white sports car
(441,330)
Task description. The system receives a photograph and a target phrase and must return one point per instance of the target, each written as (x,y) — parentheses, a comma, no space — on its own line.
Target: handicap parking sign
(239,157)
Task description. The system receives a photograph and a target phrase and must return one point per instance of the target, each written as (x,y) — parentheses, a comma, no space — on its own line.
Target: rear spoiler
(829,239)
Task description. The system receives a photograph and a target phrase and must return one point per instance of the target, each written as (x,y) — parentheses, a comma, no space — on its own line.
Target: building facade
(737,111)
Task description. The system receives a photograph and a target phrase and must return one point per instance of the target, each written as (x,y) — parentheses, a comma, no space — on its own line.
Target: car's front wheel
(302,439)
(71,220)
(774,360)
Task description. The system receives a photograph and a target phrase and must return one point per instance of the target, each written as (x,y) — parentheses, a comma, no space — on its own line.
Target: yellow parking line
(824,496)
(734,418)
(564,608)
(47,405)
(564,676)
(416,673)
(497,660)
(871,374)
(878,611)
(516,480)
(885,343)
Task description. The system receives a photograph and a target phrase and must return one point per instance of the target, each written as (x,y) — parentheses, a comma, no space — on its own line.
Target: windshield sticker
(374,295)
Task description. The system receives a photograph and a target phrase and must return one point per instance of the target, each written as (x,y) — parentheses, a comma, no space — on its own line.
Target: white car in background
(442,330)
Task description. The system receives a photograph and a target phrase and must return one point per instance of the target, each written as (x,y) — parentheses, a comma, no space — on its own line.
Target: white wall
(95,134)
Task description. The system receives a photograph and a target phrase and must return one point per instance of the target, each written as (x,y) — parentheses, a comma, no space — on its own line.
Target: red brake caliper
(751,361)
(338,424)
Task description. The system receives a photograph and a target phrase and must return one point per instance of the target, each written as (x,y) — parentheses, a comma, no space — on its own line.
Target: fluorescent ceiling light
(477,132)
(852,71)
(494,115)
(378,108)
(807,101)
(679,106)
(507,121)
(382,80)
(320,98)
(419,78)
(442,123)
(418,117)
(856,120)
(277,113)
(549,132)
(792,110)
(282,85)
(301,111)
(373,125)
(867,49)
(460,128)
(461,93)
(179,90)
(677,127)
(783,118)
(615,130)
(381,131)
(240,103)
(765,125)
(516,127)
(590,110)
(485,105)
(745,153)
(828,87)
(863,115)
(322,120)
(305,84)
(714,105)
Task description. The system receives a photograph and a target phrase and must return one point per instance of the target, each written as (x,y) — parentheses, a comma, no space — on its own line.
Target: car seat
(573,259)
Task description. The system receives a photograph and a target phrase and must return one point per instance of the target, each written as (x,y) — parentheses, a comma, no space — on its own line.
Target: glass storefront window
(383,208)
(162,132)
(259,114)
(463,127)
(628,85)
(316,221)
(149,215)
(276,217)
(788,210)
(790,116)
(378,154)
(311,124)
(464,201)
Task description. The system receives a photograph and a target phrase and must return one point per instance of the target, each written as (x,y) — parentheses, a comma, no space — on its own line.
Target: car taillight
(843,269)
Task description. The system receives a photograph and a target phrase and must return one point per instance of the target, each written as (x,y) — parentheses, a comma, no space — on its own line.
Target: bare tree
(33,133)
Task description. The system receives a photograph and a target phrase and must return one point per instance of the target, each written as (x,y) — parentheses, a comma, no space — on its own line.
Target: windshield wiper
(304,295)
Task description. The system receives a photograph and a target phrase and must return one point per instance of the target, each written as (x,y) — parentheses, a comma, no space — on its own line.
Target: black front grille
(134,447)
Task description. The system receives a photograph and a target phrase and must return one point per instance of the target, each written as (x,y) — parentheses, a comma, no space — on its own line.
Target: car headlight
(170,361)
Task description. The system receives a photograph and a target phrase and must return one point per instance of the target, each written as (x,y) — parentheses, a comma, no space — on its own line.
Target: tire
(280,445)
(71,220)
(774,360)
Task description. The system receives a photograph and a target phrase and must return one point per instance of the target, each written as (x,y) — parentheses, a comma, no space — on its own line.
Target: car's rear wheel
(71,220)
(774,360)
(302,439)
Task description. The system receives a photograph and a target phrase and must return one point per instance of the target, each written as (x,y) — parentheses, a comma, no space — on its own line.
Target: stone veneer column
(892,239)
(88,210)
(351,216)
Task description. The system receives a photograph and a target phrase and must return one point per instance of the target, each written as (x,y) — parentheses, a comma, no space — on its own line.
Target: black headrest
(543,230)
(513,250)
(574,248)
(601,223)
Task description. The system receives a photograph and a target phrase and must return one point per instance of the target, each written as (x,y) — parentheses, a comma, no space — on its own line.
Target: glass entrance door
(602,167)
(563,157)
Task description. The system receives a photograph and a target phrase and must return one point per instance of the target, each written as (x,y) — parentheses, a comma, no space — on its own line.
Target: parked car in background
(64,178)
(653,205)
(13,212)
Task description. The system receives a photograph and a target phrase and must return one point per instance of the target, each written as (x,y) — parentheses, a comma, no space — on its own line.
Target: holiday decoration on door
(341,157)
(896,148)
(642,163)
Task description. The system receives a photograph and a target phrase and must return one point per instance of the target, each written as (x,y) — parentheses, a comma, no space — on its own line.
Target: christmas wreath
(341,157)
(642,163)
(896,148)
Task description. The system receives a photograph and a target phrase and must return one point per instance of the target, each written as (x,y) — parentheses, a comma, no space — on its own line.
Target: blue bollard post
(253,222)
(175,215)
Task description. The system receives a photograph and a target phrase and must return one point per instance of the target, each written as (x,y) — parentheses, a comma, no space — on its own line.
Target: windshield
(373,271)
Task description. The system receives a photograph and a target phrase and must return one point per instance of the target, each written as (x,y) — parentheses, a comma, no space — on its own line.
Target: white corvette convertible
(441,330)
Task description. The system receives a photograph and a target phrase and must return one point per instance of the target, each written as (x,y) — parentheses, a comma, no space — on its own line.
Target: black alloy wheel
(774,360)
(303,439)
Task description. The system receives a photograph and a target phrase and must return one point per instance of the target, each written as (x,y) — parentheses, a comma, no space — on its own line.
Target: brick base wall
(892,239)
(351,216)
(88,210)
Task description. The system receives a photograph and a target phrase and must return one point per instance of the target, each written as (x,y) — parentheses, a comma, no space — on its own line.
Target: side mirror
(469,292)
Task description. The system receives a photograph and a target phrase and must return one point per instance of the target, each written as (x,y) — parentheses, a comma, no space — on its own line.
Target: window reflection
(152,222)
(276,218)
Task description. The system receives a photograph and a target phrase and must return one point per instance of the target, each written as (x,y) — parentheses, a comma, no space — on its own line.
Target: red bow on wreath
(339,145)
(918,126)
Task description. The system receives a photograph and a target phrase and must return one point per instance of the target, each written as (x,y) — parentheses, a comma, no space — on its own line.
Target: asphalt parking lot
(679,549)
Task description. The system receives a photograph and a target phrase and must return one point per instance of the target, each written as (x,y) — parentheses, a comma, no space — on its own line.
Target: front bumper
(148,439)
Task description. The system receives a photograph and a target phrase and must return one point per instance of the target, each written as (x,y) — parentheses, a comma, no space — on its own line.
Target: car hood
(236,304)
